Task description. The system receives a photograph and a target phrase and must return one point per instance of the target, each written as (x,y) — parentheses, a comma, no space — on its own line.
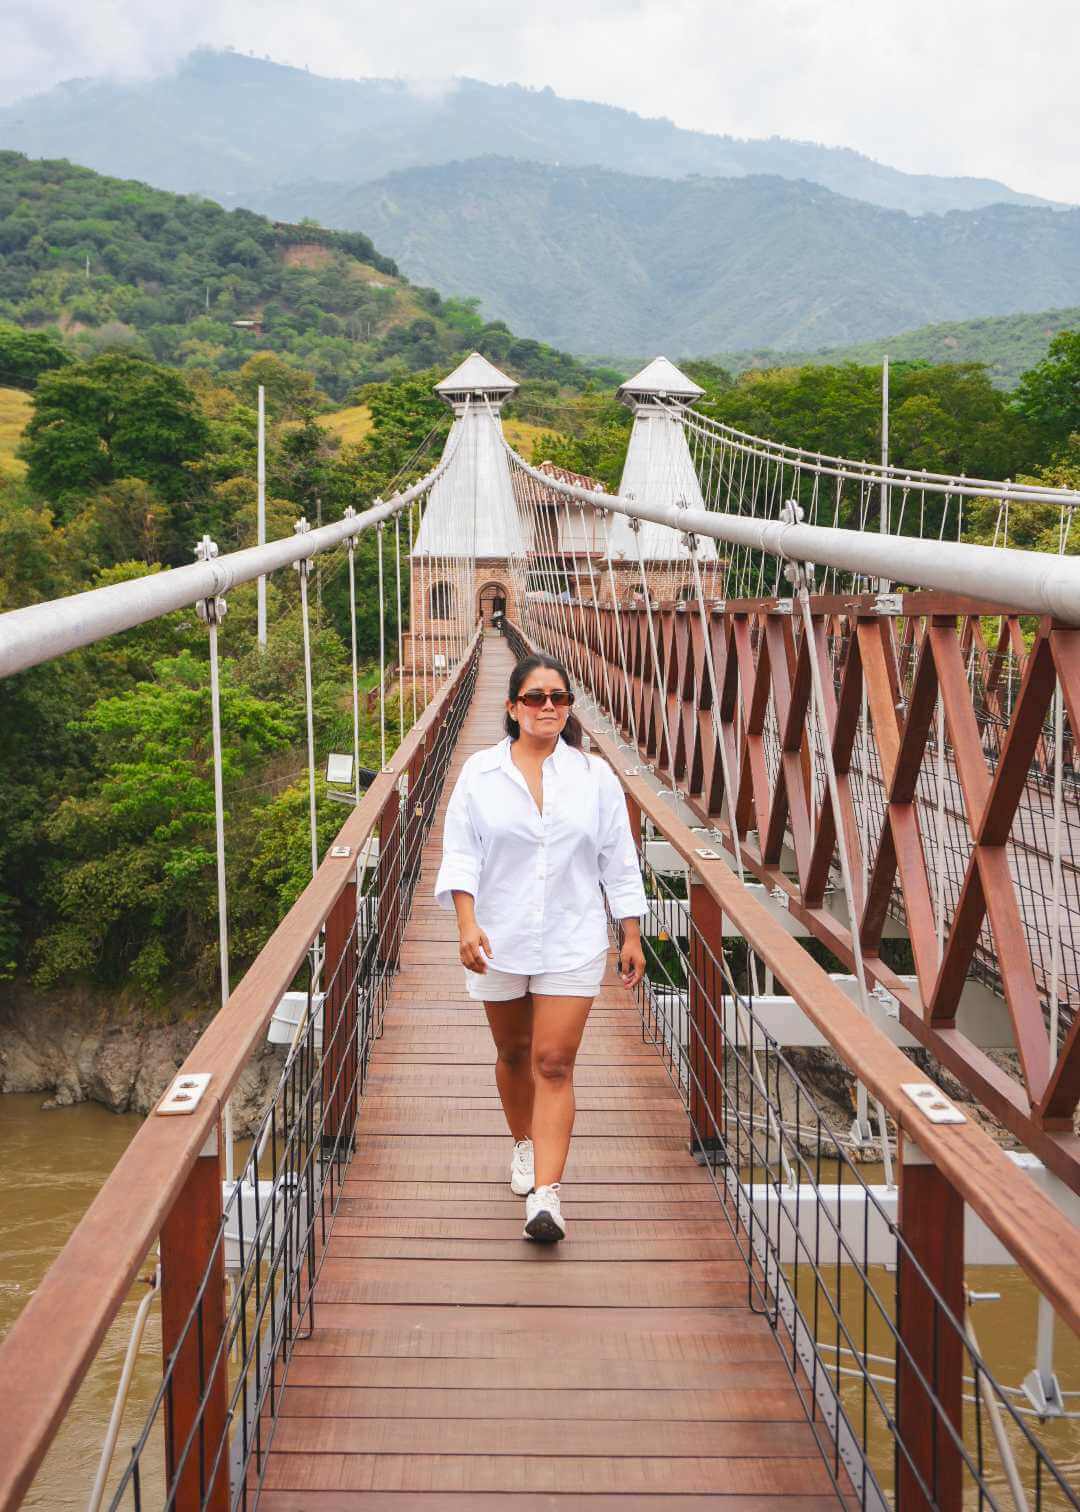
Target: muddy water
(53,1165)
(55,1162)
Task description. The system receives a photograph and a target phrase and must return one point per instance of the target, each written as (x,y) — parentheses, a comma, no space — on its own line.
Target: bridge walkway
(454,1365)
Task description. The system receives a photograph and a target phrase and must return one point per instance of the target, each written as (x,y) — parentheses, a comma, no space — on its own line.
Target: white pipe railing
(42,632)
(800,458)
(1028,582)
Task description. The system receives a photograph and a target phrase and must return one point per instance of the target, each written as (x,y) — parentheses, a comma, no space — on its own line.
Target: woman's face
(547,721)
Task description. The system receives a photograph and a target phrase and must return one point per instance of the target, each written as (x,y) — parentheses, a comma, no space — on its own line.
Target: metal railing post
(339,1020)
(192,1330)
(706,1048)
(929,1367)
(389,933)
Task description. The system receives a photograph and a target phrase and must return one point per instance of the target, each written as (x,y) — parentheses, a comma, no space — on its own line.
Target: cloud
(432,91)
(978,87)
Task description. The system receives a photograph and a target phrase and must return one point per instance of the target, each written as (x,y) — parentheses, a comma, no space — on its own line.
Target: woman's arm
(472,941)
(459,876)
(632,955)
(462,852)
(620,873)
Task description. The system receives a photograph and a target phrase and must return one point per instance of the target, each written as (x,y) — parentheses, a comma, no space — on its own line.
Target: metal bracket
(890,1005)
(303,565)
(706,853)
(341,850)
(210,610)
(185,1092)
(932,1101)
(888,603)
(783,606)
(1044,1396)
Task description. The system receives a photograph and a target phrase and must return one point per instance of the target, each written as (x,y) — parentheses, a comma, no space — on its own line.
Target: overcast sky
(983,87)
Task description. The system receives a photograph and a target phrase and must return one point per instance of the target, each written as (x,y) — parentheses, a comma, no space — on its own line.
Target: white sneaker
(544,1221)
(521,1168)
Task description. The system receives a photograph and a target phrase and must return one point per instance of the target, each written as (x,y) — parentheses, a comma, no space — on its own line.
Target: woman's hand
(631,956)
(472,944)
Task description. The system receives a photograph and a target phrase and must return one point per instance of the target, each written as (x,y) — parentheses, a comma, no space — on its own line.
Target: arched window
(442,601)
(686,592)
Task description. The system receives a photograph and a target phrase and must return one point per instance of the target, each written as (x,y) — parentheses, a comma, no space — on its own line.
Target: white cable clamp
(301,528)
(210,610)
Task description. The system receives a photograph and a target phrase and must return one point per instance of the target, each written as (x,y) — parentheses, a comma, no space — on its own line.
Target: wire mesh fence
(257,1294)
(891,1378)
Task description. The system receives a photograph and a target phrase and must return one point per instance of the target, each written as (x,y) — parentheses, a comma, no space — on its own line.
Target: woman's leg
(511,1029)
(557,1026)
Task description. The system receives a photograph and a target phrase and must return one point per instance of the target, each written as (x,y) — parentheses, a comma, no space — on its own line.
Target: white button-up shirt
(536,878)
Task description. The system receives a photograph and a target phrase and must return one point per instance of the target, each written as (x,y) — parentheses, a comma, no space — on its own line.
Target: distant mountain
(224,124)
(108,262)
(1006,345)
(596,261)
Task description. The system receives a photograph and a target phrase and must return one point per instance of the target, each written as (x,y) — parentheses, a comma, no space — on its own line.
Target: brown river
(54,1163)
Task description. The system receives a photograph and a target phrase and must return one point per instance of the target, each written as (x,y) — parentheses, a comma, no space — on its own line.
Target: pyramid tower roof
(476,375)
(660,378)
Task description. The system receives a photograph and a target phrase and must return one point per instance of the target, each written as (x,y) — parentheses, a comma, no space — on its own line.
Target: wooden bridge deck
(455,1365)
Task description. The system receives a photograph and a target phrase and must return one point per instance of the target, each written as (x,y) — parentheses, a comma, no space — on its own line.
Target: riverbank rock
(81,1046)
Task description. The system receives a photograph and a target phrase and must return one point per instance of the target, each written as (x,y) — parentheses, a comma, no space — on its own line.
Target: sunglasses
(536,698)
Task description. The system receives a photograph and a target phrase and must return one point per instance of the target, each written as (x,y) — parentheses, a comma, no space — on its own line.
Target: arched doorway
(492,597)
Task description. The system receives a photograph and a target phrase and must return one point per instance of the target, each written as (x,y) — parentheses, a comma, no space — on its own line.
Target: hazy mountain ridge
(597,261)
(1006,345)
(224,123)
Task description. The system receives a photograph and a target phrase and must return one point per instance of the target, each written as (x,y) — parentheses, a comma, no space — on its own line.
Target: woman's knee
(554,1063)
(515,1052)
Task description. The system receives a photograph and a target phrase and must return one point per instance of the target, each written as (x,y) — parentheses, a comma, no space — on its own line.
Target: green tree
(25,355)
(134,895)
(290,389)
(1048,394)
(118,416)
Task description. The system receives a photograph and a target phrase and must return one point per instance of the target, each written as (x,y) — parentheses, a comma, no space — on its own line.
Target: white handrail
(42,632)
(1029,582)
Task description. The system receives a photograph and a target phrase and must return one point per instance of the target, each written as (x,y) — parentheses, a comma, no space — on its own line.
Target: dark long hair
(571,731)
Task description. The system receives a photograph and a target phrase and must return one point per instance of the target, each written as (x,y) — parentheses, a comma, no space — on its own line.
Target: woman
(533,829)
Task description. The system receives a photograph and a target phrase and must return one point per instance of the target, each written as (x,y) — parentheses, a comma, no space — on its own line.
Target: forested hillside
(109,262)
(596,261)
(1005,345)
(224,124)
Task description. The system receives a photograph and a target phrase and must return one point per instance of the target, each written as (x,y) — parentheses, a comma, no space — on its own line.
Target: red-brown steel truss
(883,675)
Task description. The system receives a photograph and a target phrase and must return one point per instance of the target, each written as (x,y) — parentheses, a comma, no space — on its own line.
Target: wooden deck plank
(627,1359)
(513,1472)
(534,1501)
(615,1376)
(755,1405)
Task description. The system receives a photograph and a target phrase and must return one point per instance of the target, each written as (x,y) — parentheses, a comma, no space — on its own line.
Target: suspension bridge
(848,753)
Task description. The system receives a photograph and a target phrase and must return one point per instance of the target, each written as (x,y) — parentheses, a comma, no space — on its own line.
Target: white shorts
(502,986)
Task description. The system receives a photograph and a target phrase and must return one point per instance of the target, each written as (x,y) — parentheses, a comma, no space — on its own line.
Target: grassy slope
(14,413)
(354,423)
(523,436)
(351,425)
